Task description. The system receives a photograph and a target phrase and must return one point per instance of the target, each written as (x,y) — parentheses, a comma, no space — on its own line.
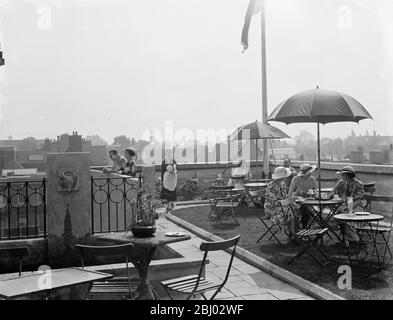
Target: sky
(125,66)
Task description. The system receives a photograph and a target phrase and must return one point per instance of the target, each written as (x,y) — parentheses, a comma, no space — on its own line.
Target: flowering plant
(146,206)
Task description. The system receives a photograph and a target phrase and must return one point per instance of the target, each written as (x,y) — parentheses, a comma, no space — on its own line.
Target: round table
(345,217)
(252,185)
(364,218)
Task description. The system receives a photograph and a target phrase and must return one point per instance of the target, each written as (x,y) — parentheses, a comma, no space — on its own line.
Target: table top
(57,278)
(239,177)
(222,187)
(325,190)
(159,239)
(315,202)
(358,218)
(256,185)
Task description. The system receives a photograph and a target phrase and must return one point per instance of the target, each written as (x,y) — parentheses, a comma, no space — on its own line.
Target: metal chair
(197,283)
(16,252)
(116,286)
(381,229)
(309,238)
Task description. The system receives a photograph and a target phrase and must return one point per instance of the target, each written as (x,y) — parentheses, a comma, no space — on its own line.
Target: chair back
(369,187)
(123,250)
(216,246)
(372,199)
(16,252)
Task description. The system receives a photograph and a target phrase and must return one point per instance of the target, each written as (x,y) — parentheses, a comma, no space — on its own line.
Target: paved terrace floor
(245,282)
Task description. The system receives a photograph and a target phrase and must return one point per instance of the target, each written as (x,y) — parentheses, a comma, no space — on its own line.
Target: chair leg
(269,230)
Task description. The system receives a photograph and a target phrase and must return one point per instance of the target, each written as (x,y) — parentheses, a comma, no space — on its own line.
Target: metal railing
(23,209)
(113,201)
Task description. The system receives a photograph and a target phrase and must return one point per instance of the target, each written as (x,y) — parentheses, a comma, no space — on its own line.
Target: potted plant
(145,217)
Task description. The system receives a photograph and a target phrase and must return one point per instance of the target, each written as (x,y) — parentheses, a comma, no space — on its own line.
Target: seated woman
(300,184)
(277,202)
(349,186)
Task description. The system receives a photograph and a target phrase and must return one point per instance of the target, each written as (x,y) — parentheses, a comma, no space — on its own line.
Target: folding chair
(216,194)
(16,252)
(198,284)
(125,287)
(309,238)
(271,229)
(369,188)
(383,230)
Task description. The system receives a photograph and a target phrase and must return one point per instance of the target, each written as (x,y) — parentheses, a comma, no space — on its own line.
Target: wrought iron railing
(23,209)
(112,203)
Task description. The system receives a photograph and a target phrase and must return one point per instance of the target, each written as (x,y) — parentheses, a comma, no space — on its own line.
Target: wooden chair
(198,284)
(381,229)
(309,238)
(126,287)
(16,252)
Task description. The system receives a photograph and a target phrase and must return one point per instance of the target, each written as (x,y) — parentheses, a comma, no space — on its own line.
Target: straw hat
(281,172)
(306,168)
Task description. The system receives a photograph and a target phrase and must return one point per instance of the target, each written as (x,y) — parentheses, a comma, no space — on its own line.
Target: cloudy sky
(124,66)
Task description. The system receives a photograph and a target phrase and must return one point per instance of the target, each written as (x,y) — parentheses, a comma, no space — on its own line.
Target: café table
(44,282)
(317,208)
(372,220)
(253,191)
(145,249)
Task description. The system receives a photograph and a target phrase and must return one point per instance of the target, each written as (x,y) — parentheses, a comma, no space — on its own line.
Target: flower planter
(143,231)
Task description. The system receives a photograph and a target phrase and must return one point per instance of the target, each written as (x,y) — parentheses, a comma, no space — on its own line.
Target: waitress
(169,179)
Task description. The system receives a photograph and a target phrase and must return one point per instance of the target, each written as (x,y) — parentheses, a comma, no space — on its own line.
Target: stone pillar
(68,204)
(149,178)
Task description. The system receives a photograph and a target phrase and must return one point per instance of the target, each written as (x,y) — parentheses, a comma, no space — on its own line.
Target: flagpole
(264,86)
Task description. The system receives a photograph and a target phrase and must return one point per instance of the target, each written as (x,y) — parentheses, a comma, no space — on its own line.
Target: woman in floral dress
(349,186)
(277,203)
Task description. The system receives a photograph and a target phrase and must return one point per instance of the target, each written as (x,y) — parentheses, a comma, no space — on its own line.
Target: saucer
(175,234)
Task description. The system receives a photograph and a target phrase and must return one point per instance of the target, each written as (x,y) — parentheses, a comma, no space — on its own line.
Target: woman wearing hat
(300,185)
(277,202)
(349,187)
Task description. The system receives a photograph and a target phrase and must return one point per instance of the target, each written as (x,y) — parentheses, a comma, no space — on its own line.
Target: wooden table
(317,207)
(145,249)
(369,219)
(45,282)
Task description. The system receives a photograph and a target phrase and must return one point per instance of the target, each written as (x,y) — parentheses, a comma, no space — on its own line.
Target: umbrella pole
(256,158)
(319,164)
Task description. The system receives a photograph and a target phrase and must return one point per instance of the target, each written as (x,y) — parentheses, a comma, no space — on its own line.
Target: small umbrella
(257,130)
(319,106)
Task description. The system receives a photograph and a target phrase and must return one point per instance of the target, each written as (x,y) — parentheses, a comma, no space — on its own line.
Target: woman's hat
(281,172)
(346,169)
(306,168)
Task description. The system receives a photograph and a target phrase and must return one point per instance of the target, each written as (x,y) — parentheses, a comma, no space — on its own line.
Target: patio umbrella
(257,130)
(319,106)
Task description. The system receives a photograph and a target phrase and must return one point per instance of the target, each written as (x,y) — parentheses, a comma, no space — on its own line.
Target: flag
(254,7)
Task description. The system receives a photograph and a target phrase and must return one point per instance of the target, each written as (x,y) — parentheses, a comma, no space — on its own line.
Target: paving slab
(245,282)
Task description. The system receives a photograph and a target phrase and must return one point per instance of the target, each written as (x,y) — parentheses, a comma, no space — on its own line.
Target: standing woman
(168,179)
